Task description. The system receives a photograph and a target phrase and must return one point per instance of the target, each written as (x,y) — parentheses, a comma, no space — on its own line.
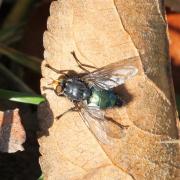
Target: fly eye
(58,90)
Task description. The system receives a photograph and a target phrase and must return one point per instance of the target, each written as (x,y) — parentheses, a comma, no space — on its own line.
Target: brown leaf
(12,133)
(103,32)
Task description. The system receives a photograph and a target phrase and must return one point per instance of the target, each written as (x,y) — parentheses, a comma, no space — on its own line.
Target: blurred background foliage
(21,47)
(22,23)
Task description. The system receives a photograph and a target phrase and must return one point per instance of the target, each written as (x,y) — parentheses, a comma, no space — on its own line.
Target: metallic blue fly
(93,92)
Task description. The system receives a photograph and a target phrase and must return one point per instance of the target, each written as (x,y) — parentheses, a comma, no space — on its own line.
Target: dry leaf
(12,133)
(103,32)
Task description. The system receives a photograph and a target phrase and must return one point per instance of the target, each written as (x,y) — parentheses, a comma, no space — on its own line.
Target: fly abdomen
(104,99)
(76,90)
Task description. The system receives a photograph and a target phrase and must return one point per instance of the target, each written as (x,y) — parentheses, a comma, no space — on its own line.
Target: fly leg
(81,65)
(76,108)
(63,72)
(116,123)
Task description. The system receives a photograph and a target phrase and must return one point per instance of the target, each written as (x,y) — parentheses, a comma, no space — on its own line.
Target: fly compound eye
(58,90)
(57,86)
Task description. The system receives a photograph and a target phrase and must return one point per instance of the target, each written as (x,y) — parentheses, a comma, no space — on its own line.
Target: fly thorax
(86,94)
(75,89)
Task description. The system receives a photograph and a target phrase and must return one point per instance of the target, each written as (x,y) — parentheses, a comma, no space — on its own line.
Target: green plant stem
(21,97)
(19,84)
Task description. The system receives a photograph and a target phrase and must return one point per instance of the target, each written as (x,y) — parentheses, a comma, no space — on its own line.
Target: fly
(93,92)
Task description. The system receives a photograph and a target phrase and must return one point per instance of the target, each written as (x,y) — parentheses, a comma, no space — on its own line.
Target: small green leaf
(41,177)
(30,62)
(21,97)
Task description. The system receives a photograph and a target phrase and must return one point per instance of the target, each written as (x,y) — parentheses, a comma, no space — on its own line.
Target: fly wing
(94,119)
(110,76)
